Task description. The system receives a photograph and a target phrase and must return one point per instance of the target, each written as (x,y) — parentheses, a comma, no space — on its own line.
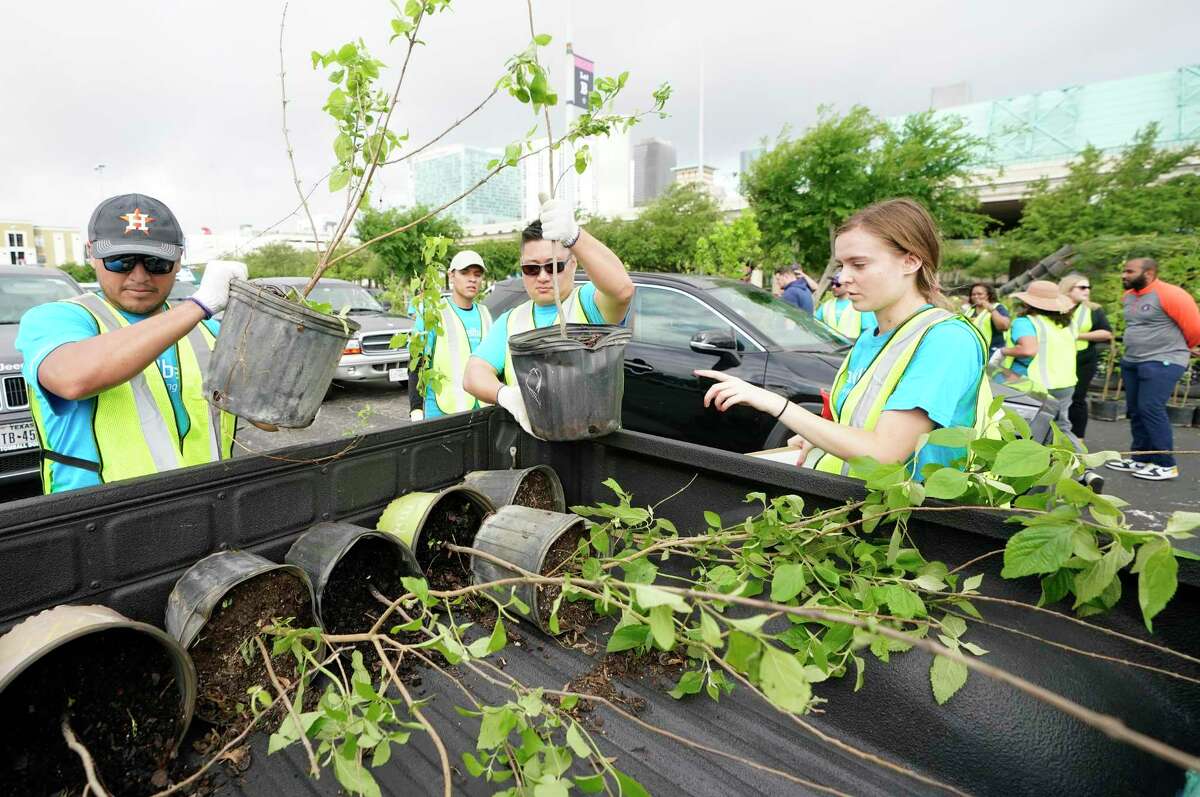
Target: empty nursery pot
(1104,409)
(526,538)
(537,487)
(424,521)
(1181,416)
(110,678)
(343,563)
(221,602)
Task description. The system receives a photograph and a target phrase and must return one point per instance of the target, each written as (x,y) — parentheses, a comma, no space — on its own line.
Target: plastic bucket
(274,359)
(1104,409)
(38,635)
(501,486)
(523,537)
(319,550)
(572,386)
(406,516)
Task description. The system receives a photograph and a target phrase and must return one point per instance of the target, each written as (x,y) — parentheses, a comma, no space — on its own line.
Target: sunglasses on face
(533,269)
(123,264)
(1084,287)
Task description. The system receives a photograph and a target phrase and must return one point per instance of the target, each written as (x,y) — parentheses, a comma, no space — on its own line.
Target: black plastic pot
(1104,409)
(405,517)
(319,550)
(501,486)
(572,386)
(203,586)
(274,359)
(523,537)
(1181,416)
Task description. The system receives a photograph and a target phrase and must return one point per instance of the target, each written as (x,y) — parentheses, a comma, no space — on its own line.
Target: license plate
(397,374)
(16,436)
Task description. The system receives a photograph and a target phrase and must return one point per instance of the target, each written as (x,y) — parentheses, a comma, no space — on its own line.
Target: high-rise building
(24,243)
(441,175)
(653,162)
(747,157)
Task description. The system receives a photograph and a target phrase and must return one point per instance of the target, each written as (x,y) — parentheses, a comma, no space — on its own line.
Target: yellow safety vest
(520,319)
(1053,367)
(866,399)
(450,353)
(134,422)
(1081,321)
(849,323)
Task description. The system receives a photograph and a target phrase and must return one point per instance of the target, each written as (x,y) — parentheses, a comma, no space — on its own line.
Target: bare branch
(415,710)
(89,764)
(314,768)
(287,139)
(440,135)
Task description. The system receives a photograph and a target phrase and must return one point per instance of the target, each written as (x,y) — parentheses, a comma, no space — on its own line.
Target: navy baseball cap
(135,224)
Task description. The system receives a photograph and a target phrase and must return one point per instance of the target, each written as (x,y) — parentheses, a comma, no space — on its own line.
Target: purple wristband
(207,313)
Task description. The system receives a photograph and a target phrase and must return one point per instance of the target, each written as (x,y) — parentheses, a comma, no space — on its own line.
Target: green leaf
(1157,578)
(689,684)
(495,726)
(788,581)
(947,483)
(339,178)
(629,787)
(1098,458)
(742,651)
(542,39)
(1056,587)
(576,741)
(589,784)
(1181,522)
(710,632)
(952,437)
(628,636)
(472,764)
(972,583)
(662,626)
(1021,458)
(712,519)
(1089,583)
(649,597)
(903,602)
(946,677)
(954,625)
(783,681)
(1040,549)
(354,777)
(382,754)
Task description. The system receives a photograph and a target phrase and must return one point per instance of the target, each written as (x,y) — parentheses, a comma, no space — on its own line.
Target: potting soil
(224,674)
(536,491)
(573,616)
(456,520)
(349,605)
(119,692)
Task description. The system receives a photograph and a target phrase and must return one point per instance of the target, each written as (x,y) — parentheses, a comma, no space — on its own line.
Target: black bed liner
(125,544)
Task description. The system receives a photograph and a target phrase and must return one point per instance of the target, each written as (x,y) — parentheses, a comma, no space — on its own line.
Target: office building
(653,164)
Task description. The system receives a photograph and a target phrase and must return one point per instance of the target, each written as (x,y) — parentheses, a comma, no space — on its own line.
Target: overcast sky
(181,100)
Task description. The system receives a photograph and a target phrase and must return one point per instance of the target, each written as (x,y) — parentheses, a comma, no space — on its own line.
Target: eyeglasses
(533,269)
(1084,287)
(123,264)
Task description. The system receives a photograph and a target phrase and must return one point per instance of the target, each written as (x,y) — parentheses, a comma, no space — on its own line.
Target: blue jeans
(1148,385)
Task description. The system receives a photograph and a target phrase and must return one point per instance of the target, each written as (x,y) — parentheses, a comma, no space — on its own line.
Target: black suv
(682,322)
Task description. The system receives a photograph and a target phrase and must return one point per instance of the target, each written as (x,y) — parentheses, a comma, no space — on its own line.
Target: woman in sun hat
(1044,344)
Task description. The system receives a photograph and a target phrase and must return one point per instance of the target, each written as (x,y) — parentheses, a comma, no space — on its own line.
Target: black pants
(1085,371)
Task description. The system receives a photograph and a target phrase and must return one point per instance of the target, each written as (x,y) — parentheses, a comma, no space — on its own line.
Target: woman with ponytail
(921,369)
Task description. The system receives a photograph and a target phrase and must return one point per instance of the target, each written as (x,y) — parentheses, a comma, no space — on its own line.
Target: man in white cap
(464,323)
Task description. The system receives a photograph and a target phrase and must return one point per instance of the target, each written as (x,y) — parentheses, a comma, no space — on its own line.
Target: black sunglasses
(533,269)
(123,264)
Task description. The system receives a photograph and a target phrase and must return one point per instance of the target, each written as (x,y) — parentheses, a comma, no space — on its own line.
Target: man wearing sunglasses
(115,380)
(551,249)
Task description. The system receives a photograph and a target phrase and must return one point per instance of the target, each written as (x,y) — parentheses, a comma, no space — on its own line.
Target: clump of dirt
(227,660)
(658,669)
(536,491)
(117,689)
(348,604)
(574,617)
(454,519)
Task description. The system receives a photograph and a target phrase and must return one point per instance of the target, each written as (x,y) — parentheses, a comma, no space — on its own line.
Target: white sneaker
(1157,473)
(1126,465)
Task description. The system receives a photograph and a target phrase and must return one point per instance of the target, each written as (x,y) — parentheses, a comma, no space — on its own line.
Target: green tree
(79,272)
(500,255)
(285,260)
(664,236)
(728,247)
(802,188)
(401,255)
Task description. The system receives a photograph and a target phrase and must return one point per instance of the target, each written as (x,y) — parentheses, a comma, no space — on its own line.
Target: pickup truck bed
(125,545)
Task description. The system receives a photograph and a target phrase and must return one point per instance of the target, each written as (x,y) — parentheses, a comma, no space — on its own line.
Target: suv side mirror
(716,341)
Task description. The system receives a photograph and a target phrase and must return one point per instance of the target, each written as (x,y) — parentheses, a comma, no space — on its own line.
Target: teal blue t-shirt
(1022,327)
(495,345)
(867,318)
(942,379)
(69,423)
(473,322)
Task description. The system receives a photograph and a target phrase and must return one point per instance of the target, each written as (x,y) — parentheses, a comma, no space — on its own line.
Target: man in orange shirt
(1162,329)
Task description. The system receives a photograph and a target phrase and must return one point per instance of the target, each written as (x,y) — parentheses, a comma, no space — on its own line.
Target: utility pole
(700,119)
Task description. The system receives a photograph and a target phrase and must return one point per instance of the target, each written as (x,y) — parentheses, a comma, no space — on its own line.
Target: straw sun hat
(1044,295)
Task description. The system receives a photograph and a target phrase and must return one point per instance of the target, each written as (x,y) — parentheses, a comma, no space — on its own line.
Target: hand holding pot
(416,415)
(730,391)
(213,293)
(510,399)
(558,221)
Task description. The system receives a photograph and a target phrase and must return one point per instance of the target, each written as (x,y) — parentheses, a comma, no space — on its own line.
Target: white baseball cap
(466,258)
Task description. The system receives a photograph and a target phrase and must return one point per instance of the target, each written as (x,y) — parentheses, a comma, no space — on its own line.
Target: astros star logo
(137,220)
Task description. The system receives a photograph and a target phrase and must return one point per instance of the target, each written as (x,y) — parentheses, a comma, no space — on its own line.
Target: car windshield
(787,326)
(19,293)
(343,296)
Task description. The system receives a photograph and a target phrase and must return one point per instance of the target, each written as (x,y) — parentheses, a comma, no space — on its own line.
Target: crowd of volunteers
(115,379)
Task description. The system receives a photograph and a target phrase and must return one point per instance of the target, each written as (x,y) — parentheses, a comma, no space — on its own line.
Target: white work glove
(997,358)
(416,415)
(510,399)
(213,292)
(558,221)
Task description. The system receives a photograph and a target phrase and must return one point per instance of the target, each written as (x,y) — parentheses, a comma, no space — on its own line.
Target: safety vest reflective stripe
(983,322)
(450,353)
(865,401)
(1081,321)
(520,319)
(1053,367)
(849,323)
